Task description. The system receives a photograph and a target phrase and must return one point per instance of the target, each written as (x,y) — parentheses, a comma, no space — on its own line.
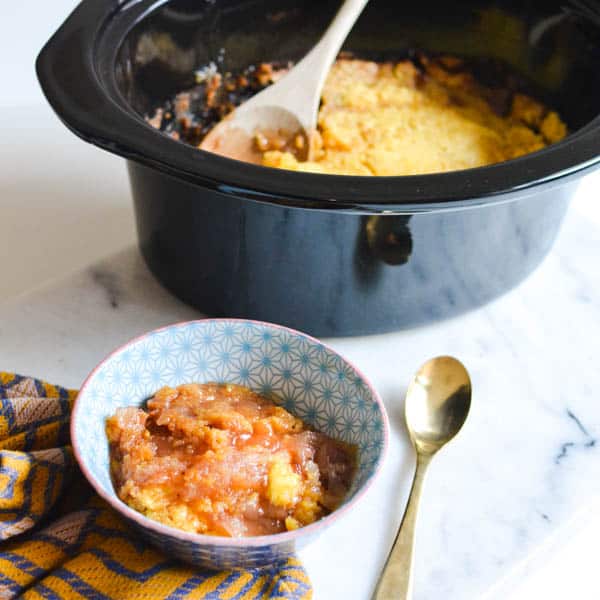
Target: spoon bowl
(289,107)
(235,135)
(437,403)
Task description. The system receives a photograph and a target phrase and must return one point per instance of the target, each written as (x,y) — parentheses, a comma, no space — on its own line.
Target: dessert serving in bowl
(330,254)
(227,488)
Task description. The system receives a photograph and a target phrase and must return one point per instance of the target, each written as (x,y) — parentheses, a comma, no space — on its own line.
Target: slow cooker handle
(68,76)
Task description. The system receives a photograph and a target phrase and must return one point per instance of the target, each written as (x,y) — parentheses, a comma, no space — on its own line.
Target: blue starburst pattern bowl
(308,378)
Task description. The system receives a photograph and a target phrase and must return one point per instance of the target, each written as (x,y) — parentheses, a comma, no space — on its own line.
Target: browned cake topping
(410,117)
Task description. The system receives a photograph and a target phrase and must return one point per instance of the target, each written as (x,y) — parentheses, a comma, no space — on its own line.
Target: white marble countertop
(526,463)
(522,480)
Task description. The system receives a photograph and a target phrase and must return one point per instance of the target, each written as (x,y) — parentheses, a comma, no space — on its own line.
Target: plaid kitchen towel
(59,540)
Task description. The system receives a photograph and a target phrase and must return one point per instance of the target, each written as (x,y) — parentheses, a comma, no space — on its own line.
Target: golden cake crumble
(394,119)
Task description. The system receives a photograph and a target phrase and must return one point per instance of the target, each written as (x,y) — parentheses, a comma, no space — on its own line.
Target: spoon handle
(310,73)
(395,581)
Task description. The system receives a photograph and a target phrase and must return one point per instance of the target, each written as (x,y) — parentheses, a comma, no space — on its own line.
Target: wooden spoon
(289,107)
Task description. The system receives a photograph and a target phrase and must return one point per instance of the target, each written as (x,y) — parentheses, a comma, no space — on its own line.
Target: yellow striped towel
(58,540)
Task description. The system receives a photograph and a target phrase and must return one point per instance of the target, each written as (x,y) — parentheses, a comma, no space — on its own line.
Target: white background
(64,204)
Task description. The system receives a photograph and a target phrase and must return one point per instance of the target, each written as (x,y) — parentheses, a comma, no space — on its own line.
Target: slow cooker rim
(88,41)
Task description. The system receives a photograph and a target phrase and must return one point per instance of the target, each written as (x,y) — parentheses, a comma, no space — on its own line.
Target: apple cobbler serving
(220,459)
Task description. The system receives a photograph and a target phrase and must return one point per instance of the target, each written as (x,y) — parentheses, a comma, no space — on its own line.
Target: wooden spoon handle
(334,37)
(310,73)
(396,579)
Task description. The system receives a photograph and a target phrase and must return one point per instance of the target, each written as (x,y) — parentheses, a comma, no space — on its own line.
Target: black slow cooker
(331,255)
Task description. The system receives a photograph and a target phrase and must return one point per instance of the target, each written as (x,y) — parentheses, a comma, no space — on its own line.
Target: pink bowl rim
(222,541)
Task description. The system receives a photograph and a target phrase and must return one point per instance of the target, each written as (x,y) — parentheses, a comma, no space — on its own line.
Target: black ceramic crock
(331,255)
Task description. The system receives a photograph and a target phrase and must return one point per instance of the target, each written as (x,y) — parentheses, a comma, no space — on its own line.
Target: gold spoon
(289,107)
(437,405)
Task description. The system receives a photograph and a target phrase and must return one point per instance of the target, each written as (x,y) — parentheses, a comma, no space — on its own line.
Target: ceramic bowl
(308,378)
